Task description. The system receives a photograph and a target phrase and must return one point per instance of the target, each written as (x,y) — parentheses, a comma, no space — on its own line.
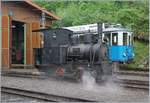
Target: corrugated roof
(41,9)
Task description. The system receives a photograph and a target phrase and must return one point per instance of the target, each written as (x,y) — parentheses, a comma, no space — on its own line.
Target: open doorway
(17,42)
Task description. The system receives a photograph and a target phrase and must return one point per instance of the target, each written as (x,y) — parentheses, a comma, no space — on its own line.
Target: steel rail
(136,84)
(42,96)
(144,74)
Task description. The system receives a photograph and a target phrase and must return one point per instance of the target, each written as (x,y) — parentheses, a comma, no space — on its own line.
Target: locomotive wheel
(78,75)
(105,73)
(98,77)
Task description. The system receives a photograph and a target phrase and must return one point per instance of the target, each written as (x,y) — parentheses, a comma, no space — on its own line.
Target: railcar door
(113,49)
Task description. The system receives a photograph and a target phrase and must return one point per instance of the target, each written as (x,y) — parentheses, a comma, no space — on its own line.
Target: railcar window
(124,38)
(129,40)
(114,38)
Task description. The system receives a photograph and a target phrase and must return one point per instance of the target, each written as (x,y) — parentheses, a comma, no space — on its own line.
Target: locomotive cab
(120,44)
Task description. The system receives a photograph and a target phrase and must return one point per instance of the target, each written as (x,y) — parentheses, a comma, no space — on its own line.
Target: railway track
(129,83)
(132,79)
(144,74)
(136,84)
(25,76)
(38,96)
(41,96)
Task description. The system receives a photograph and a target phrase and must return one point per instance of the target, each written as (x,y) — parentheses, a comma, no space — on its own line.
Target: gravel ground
(109,92)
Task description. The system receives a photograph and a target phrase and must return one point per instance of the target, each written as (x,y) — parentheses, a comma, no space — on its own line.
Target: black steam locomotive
(66,54)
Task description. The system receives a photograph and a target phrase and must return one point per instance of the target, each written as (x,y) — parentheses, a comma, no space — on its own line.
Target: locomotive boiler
(89,52)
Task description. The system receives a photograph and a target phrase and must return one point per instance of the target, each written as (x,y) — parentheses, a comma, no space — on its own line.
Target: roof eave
(42,10)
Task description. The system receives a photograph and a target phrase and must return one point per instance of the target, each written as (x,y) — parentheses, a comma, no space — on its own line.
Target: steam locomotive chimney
(100,31)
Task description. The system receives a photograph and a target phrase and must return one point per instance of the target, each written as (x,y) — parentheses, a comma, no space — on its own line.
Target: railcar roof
(92,28)
(116,30)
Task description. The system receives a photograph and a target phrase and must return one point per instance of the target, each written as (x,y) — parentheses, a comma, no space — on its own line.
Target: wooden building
(19,18)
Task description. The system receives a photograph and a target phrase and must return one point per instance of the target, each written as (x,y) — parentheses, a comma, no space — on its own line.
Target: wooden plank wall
(33,40)
(5,42)
(28,48)
(36,41)
(36,35)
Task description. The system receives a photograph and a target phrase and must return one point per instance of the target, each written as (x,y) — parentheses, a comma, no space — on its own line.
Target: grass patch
(141,50)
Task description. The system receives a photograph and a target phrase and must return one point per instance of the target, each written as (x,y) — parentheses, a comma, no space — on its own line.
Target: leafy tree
(132,14)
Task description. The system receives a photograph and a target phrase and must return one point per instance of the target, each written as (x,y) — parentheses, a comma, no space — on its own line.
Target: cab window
(114,38)
(125,38)
(81,38)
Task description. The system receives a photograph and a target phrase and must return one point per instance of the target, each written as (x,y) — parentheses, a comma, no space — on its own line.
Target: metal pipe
(100,31)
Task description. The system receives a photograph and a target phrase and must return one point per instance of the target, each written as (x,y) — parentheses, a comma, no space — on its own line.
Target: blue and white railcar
(120,44)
